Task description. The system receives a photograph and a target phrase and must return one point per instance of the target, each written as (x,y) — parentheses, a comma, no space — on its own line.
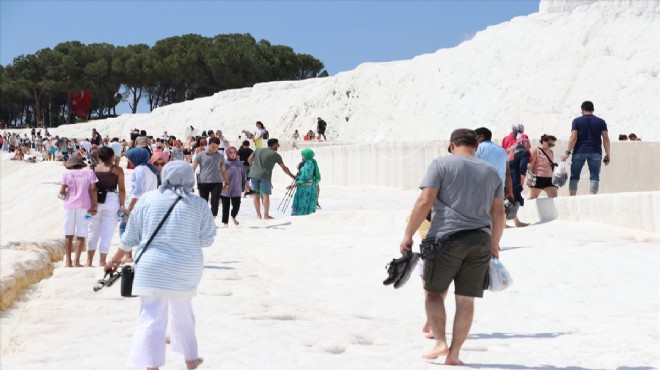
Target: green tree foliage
(35,89)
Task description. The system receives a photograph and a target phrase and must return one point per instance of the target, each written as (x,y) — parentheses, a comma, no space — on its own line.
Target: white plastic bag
(498,276)
(560,174)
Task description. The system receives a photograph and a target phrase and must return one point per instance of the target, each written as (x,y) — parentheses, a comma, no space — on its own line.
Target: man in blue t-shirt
(585,145)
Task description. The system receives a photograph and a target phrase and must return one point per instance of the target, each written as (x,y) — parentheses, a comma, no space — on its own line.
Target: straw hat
(75,162)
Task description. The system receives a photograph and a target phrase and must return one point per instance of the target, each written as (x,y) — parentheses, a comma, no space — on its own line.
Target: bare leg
(192,365)
(534,193)
(102,257)
(266,206)
(68,244)
(426,329)
(436,315)
(90,258)
(462,324)
(257,204)
(551,191)
(79,247)
(519,223)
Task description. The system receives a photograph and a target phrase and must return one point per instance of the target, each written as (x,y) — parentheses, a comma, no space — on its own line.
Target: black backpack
(265,136)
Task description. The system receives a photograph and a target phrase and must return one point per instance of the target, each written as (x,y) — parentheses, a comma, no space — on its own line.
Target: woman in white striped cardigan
(170,269)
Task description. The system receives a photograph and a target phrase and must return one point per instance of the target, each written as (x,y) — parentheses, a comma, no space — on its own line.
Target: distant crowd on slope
(223,174)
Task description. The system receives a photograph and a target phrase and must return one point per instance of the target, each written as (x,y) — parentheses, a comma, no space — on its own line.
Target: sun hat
(75,162)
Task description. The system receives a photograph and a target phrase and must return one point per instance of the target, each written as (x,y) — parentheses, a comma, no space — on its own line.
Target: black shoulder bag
(128,271)
(552,164)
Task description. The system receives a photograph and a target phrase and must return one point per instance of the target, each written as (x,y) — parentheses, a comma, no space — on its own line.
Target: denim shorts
(261,185)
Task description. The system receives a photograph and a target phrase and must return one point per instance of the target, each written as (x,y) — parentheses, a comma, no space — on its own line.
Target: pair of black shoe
(107,280)
(400,269)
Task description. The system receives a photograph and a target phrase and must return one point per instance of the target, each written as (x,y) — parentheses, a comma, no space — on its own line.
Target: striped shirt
(172,265)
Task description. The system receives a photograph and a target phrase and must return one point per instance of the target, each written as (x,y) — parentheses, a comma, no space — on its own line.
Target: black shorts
(321,132)
(543,182)
(186,152)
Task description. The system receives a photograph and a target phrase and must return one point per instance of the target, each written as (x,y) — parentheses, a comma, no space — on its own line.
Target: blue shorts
(261,185)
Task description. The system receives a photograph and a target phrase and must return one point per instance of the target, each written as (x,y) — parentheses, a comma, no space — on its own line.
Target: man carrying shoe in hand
(465,195)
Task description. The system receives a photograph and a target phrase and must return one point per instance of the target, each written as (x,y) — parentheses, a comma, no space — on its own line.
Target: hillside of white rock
(535,70)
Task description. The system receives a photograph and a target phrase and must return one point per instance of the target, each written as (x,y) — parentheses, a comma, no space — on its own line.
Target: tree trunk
(137,95)
(36,93)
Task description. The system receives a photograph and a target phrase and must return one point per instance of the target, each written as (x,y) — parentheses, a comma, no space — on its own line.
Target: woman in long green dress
(305,200)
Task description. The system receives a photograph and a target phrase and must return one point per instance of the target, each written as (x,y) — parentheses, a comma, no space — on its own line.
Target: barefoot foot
(268,218)
(455,361)
(236,223)
(191,365)
(428,334)
(436,352)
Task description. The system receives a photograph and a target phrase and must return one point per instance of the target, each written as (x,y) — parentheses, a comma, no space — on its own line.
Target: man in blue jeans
(585,145)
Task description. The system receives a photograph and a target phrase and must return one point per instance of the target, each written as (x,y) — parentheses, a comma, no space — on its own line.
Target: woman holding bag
(170,268)
(541,167)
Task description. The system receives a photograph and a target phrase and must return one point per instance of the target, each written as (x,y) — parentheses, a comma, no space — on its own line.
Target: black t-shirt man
(243,154)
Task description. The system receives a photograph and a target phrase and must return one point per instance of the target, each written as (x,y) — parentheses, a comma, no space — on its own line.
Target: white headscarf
(177,176)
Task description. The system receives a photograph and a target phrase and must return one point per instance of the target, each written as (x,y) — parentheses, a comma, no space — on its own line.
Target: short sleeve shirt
(264,162)
(244,153)
(209,165)
(494,155)
(78,184)
(467,187)
(589,130)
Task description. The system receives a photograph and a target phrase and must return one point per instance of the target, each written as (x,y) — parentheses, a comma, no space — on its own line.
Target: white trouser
(103,224)
(148,347)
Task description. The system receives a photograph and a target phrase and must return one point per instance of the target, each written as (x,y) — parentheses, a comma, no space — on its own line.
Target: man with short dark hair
(497,157)
(244,153)
(466,227)
(262,162)
(213,173)
(117,149)
(585,145)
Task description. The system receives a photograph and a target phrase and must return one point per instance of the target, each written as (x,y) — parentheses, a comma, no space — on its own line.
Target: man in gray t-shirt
(466,196)
(213,173)
(262,162)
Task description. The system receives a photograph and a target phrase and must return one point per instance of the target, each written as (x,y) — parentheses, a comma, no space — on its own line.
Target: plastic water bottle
(120,215)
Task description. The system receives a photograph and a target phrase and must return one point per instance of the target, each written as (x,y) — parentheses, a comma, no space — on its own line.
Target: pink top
(78,183)
(543,167)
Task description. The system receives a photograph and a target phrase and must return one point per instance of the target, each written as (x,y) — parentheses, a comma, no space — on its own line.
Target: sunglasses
(551,144)
(159,164)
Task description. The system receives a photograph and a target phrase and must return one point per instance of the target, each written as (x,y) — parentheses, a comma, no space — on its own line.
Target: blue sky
(342,34)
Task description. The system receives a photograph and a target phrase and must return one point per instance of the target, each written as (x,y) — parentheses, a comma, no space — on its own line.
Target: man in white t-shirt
(117,148)
(87,145)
